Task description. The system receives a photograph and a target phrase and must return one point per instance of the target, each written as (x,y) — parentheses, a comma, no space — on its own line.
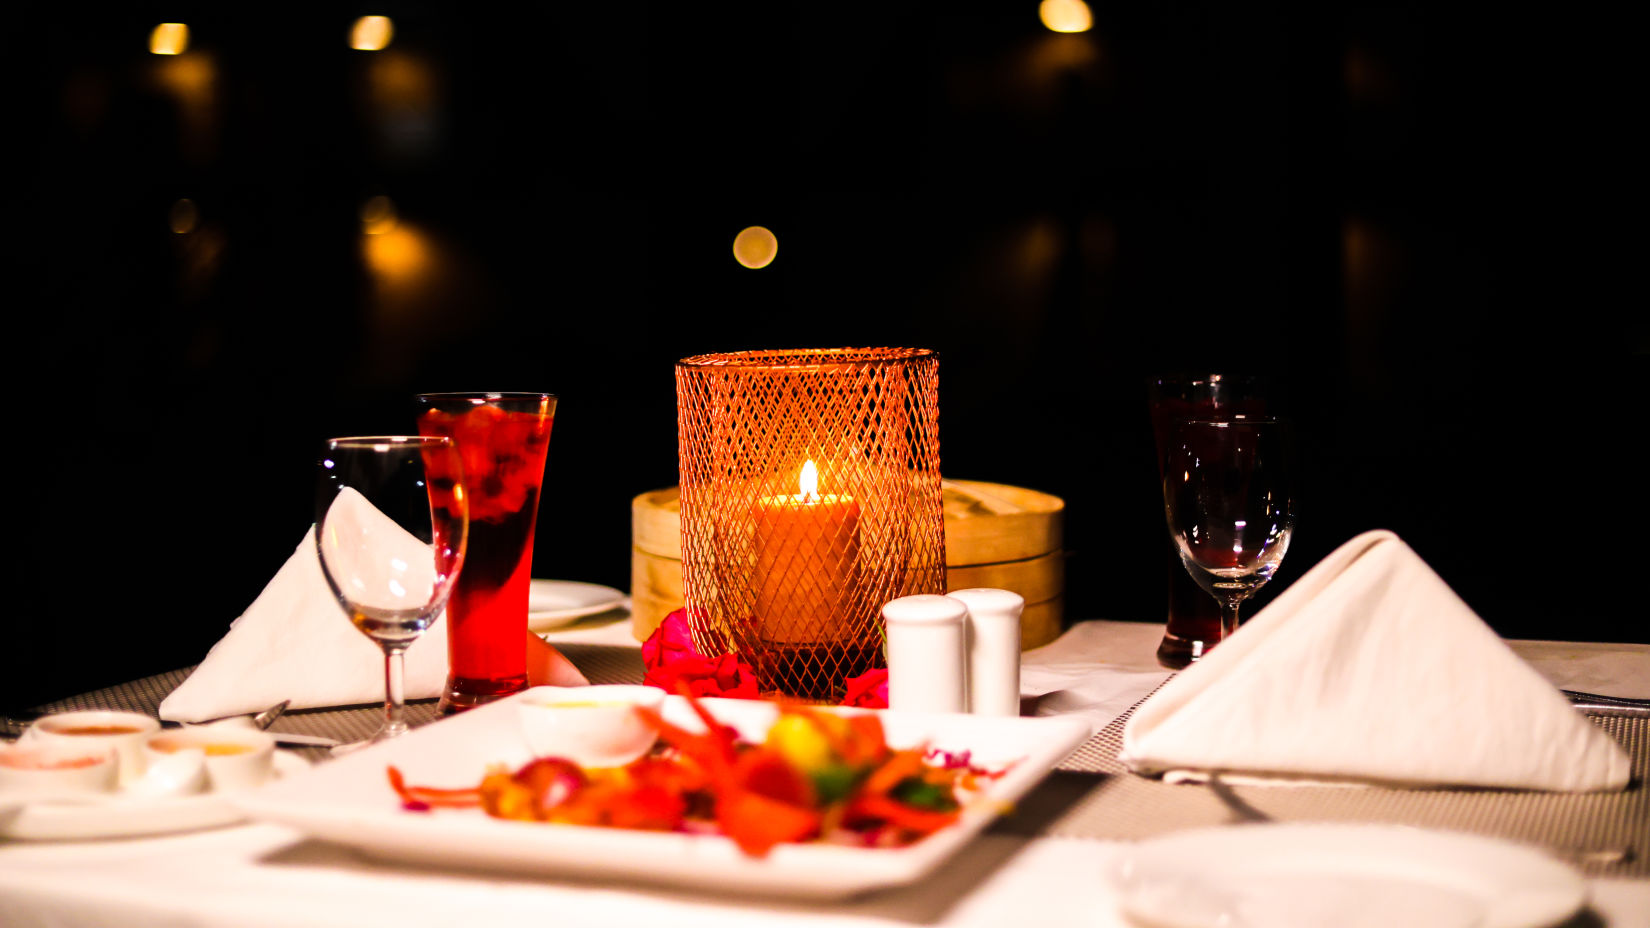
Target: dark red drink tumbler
(1194,616)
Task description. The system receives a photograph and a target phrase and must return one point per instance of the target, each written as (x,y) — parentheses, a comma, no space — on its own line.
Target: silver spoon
(259,720)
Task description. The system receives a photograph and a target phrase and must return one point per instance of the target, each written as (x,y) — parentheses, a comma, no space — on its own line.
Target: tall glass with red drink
(503,439)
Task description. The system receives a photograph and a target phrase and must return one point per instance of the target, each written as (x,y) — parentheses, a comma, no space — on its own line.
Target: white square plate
(349,801)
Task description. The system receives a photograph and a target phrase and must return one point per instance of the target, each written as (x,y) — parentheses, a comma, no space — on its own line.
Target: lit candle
(807,549)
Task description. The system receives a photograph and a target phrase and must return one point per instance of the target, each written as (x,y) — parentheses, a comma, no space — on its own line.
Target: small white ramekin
(250,763)
(51,769)
(592,726)
(69,729)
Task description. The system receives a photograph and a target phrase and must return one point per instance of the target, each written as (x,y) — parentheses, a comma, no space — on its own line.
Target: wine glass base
(378,737)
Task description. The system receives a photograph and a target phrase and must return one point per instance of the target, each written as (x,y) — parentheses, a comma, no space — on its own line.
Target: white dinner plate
(122,817)
(349,801)
(1347,876)
(554,603)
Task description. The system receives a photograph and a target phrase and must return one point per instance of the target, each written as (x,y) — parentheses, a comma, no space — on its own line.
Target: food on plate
(815,776)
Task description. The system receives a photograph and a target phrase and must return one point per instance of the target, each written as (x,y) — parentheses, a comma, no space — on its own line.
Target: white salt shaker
(992,642)
(925,654)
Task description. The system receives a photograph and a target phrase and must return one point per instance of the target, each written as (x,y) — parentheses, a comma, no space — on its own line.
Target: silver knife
(1608,705)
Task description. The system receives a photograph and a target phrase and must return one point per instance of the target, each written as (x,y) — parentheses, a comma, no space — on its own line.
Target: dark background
(1411,217)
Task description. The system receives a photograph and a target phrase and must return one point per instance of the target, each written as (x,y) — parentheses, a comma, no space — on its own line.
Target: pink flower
(869,690)
(671,660)
(670,642)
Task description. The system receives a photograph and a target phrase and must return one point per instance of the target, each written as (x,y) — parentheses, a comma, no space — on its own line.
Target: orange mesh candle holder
(810,488)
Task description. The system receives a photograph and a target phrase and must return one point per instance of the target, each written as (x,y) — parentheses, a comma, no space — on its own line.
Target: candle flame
(809,482)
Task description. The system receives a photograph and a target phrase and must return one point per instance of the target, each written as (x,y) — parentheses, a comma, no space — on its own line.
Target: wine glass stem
(1228,617)
(395,695)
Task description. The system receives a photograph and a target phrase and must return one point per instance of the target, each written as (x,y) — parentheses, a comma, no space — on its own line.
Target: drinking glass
(1193,620)
(1230,505)
(503,439)
(392,519)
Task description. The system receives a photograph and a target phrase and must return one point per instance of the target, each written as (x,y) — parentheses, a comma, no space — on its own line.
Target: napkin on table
(295,642)
(1369,668)
(1075,675)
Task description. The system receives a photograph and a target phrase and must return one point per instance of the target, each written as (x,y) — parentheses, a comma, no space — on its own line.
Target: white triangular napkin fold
(1370,668)
(294,642)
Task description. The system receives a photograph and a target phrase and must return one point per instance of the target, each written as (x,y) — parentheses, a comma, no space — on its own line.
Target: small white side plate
(554,603)
(1348,876)
(118,816)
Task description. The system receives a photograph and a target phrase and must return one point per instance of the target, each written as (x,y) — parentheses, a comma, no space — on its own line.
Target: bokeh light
(398,259)
(378,216)
(371,33)
(183,217)
(1066,15)
(169,39)
(755,247)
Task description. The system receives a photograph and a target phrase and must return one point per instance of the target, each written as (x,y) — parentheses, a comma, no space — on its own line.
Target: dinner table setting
(838,698)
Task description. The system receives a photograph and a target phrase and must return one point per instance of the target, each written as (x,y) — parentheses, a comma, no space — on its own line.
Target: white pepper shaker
(926,671)
(992,642)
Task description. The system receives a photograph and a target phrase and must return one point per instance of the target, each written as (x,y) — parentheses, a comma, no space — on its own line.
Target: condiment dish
(593,726)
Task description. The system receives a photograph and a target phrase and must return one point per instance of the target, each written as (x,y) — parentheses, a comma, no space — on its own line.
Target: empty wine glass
(1228,495)
(1194,621)
(392,519)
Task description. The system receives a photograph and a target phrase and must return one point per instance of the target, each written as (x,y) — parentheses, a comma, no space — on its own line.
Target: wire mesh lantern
(810,488)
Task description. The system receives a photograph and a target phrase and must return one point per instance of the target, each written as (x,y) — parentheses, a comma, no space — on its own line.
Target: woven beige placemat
(1092,795)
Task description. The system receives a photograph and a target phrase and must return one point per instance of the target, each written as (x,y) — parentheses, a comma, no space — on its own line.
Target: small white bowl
(53,769)
(97,729)
(236,758)
(592,726)
(166,775)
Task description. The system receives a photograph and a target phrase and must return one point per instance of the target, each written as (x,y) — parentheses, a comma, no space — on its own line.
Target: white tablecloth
(257,875)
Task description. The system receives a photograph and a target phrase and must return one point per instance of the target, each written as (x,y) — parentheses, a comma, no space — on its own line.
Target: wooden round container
(995,536)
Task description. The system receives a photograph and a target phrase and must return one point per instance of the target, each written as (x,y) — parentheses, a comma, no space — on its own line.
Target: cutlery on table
(12,726)
(262,720)
(1608,705)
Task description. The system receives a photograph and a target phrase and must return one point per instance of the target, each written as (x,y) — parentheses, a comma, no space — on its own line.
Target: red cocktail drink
(503,439)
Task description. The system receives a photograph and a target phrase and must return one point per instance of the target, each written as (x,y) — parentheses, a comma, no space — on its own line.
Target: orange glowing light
(755,247)
(169,39)
(1065,15)
(807,547)
(808,483)
(188,76)
(371,33)
(184,217)
(378,216)
(397,257)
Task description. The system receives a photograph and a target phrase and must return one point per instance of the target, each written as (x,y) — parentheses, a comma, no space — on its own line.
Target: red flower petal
(869,690)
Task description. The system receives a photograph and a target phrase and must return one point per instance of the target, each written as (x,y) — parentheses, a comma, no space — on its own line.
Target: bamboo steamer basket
(995,536)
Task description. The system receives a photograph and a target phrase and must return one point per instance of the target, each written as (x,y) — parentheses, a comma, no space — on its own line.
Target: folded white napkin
(295,642)
(1370,668)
